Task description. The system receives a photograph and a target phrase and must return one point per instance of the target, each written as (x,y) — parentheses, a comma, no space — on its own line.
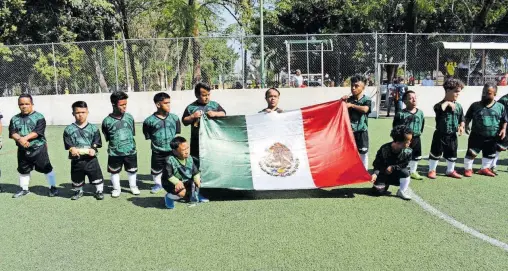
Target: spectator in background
(390,96)
(428,82)
(502,81)
(298,79)
(400,89)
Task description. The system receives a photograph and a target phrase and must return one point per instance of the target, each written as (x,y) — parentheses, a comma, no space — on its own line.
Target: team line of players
(175,164)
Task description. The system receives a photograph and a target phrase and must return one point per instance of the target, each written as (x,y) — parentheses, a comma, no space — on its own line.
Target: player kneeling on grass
(181,179)
(489,127)
(413,118)
(160,127)
(27,129)
(118,129)
(82,140)
(449,121)
(390,165)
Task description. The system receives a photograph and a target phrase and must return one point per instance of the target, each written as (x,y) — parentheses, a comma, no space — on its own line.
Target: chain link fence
(234,62)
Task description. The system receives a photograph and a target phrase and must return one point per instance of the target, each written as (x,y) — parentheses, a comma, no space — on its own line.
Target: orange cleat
(431,174)
(454,174)
(486,172)
(468,173)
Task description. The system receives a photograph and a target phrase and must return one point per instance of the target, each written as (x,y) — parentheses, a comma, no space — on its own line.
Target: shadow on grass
(148,202)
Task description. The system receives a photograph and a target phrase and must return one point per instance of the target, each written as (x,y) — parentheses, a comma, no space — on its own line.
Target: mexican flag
(312,147)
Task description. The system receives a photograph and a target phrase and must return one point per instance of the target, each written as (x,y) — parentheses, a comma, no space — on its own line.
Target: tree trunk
(196,45)
(126,65)
(98,71)
(125,31)
(182,66)
(481,19)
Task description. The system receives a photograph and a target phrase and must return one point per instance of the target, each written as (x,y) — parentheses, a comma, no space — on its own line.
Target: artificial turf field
(342,229)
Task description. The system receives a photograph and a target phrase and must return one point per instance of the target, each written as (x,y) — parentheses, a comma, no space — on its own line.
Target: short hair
(199,86)
(161,96)
(268,91)
(79,104)
(490,85)
(358,78)
(118,96)
(452,84)
(399,133)
(26,95)
(176,142)
(406,94)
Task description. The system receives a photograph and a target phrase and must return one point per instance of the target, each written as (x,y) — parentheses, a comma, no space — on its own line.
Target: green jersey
(120,132)
(504,100)
(359,120)
(415,121)
(161,131)
(87,137)
(487,121)
(386,157)
(448,121)
(196,106)
(183,172)
(24,125)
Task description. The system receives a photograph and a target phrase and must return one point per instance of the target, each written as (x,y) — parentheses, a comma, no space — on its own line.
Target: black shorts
(158,163)
(194,148)
(170,187)
(38,160)
(443,144)
(86,167)
(391,179)
(362,141)
(416,146)
(477,143)
(129,162)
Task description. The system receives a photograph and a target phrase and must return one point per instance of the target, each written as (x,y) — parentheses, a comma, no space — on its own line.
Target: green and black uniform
(179,170)
(160,131)
(359,123)
(503,143)
(487,123)
(84,165)
(444,140)
(386,157)
(194,107)
(36,155)
(416,122)
(119,131)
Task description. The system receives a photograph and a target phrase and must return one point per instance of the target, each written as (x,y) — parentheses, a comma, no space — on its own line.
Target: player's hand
(461,130)
(344,98)
(374,178)
(179,187)
(502,135)
(197,114)
(349,105)
(74,151)
(197,183)
(91,152)
(23,142)
(211,114)
(389,170)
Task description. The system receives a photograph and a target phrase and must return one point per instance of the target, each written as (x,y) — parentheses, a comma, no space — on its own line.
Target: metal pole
(376,68)
(288,46)
(469,64)
(405,57)
(243,60)
(322,67)
(54,68)
(116,64)
(262,46)
(437,65)
(307,52)
(379,78)
(177,66)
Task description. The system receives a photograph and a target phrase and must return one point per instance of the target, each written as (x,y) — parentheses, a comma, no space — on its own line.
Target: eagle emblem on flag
(279,161)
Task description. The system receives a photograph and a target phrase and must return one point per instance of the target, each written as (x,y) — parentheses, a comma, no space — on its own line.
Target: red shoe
(468,173)
(486,172)
(454,174)
(431,174)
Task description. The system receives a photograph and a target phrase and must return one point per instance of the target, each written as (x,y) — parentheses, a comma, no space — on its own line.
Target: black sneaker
(99,195)
(77,194)
(53,192)
(21,194)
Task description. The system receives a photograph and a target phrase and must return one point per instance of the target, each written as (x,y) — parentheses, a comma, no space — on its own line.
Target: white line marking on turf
(450,220)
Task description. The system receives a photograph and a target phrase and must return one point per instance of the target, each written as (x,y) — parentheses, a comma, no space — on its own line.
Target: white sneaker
(403,195)
(135,190)
(116,193)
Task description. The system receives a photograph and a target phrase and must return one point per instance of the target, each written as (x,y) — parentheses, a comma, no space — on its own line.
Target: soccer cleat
(403,195)
(493,169)
(454,174)
(135,191)
(156,189)
(431,174)
(170,203)
(77,194)
(486,172)
(199,199)
(416,176)
(21,194)
(99,195)
(53,192)
(468,173)
(116,193)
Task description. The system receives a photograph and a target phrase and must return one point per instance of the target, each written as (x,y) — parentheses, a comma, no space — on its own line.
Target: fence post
(116,63)
(376,68)
(243,59)
(54,68)
(405,57)
(177,66)
(378,78)
(308,67)
(469,63)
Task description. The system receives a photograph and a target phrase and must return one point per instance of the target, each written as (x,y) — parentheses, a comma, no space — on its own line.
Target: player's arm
(40,128)
(174,180)
(220,112)
(147,131)
(423,124)
(360,108)
(502,132)
(178,126)
(105,132)
(396,120)
(69,145)
(196,176)
(404,163)
(378,164)
(97,140)
(188,118)
(12,132)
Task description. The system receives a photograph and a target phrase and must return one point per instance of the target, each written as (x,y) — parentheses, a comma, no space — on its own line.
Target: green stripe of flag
(224,152)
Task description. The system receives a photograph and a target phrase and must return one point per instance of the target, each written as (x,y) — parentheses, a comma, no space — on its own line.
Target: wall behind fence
(57,108)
